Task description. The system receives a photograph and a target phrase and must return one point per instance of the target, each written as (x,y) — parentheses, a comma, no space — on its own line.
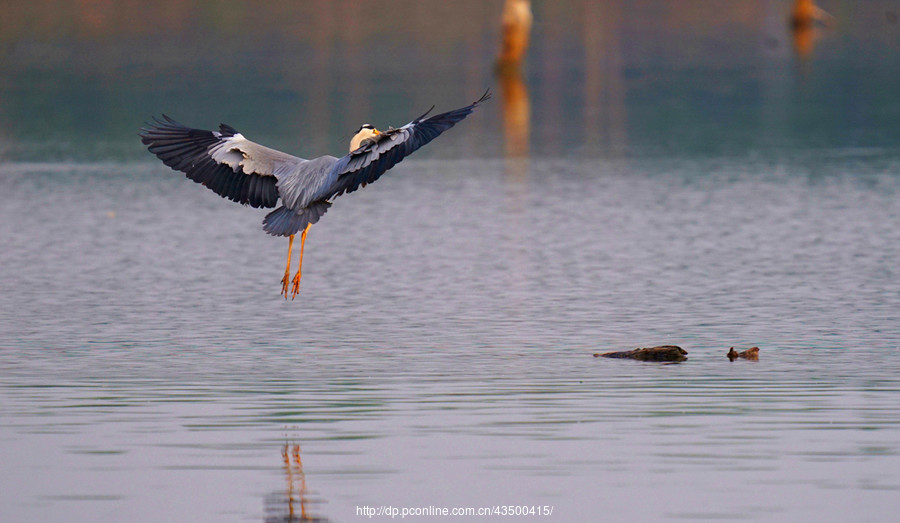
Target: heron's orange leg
(295,290)
(287,270)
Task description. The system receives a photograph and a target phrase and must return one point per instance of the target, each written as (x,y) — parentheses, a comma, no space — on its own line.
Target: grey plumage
(251,174)
(284,221)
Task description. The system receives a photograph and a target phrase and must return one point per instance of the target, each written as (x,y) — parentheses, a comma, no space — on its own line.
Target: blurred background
(602,78)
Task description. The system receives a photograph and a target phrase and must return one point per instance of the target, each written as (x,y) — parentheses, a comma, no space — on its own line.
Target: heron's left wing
(367,163)
(224,161)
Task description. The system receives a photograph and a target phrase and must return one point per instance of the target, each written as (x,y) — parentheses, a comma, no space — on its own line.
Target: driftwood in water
(661,353)
(750,354)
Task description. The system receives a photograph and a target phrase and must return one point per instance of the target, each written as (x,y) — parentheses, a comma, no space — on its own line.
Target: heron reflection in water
(291,506)
(251,174)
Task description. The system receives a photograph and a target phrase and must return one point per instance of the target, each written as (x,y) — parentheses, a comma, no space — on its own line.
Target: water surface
(700,186)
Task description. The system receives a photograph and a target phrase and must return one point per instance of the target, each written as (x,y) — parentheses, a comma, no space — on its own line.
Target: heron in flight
(251,174)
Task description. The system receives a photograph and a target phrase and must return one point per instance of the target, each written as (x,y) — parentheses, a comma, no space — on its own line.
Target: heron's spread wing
(226,162)
(367,163)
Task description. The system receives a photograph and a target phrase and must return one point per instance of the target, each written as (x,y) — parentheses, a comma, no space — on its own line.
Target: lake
(652,176)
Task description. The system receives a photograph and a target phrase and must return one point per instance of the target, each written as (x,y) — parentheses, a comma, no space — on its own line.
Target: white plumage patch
(235,152)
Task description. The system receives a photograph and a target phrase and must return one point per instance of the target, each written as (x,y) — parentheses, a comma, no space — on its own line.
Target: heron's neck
(358,138)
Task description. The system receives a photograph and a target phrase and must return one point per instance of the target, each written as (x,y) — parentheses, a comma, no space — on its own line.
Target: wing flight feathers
(248,173)
(224,161)
(375,157)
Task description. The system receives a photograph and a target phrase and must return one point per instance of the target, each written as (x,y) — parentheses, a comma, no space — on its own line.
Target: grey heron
(251,174)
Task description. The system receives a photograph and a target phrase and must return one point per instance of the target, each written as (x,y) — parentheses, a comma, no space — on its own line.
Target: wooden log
(750,354)
(661,353)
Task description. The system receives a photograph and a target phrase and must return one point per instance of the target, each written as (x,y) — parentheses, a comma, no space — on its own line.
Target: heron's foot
(295,289)
(284,284)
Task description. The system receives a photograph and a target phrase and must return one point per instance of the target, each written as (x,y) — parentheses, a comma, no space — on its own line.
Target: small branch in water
(750,354)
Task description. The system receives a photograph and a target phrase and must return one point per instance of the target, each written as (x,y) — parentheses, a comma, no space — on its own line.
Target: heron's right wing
(375,156)
(224,161)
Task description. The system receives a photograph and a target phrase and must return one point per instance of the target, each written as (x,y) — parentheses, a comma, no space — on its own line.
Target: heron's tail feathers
(285,222)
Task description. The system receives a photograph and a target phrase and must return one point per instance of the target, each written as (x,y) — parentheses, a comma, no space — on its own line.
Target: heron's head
(366,132)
